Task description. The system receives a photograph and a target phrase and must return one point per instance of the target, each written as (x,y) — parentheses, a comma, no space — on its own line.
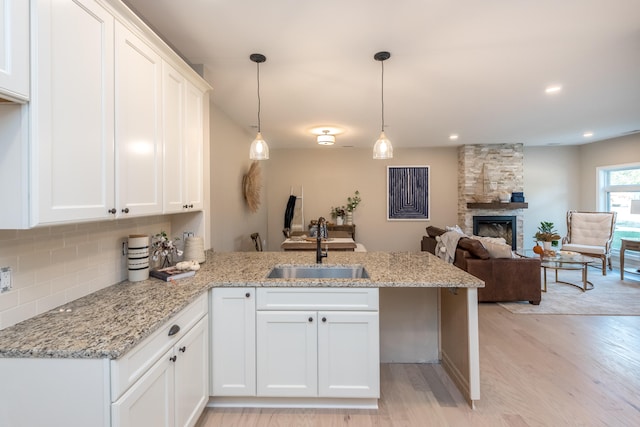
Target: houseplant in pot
(338,213)
(352,204)
(547,234)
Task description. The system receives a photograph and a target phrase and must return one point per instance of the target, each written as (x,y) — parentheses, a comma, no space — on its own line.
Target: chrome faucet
(322,225)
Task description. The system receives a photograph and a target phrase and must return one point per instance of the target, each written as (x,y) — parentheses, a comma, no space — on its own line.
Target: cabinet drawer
(317,299)
(126,370)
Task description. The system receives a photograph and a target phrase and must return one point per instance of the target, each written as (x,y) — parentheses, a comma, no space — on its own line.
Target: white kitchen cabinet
(348,354)
(174,391)
(182,141)
(233,342)
(306,343)
(14,50)
(287,353)
(324,354)
(72,112)
(138,130)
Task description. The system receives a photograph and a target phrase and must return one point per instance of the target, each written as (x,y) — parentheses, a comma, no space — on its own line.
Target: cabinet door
(14,49)
(72,112)
(150,401)
(233,342)
(173,136)
(138,106)
(287,353)
(348,354)
(194,155)
(192,374)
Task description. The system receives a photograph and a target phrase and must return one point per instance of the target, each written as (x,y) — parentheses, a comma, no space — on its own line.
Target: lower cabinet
(173,391)
(295,342)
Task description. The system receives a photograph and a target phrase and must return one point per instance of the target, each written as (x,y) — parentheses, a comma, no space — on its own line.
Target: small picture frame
(407,193)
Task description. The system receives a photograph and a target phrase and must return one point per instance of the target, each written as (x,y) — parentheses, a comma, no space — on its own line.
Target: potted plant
(338,213)
(164,250)
(547,235)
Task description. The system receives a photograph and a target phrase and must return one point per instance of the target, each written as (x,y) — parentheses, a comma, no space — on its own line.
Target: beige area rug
(609,296)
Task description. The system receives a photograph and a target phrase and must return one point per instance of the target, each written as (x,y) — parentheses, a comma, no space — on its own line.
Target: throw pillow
(474,247)
(495,246)
(434,231)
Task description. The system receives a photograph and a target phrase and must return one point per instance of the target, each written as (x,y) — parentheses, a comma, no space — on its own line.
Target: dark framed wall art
(407,193)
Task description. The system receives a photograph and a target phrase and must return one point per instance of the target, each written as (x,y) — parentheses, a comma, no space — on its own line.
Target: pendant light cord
(258,78)
(382,97)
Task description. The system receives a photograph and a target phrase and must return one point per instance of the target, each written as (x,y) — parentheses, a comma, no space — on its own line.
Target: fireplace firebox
(497,226)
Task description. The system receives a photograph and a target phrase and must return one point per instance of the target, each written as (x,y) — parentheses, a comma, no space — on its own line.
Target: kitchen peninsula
(52,358)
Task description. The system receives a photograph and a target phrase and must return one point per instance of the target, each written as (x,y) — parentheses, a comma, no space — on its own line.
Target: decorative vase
(349,218)
(339,220)
(546,246)
(138,257)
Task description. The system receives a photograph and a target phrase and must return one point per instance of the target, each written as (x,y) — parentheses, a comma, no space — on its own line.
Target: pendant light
(382,148)
(259,149)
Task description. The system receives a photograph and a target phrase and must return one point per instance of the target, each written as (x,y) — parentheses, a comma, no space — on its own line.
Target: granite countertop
(109,322)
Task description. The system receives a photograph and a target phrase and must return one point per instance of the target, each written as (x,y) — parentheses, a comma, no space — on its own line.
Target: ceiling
(477,69)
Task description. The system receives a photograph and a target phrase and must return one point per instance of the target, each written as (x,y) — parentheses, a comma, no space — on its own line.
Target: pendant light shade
(382,148)
(259,149)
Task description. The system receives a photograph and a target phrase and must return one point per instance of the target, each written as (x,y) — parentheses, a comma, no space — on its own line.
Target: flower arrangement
(162,247)
(353,202)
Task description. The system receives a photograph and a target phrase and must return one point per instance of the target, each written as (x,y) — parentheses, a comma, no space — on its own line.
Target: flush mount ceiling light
(259,149)
(326,138)
(588,134)
(453,137)
(382,148)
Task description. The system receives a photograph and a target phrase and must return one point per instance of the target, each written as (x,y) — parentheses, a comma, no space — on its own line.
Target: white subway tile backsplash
(58,264)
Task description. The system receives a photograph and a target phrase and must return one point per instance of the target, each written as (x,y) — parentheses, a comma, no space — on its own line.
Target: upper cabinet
(14,50)
(72,133)
(115,124)
(182,120)
(138,106)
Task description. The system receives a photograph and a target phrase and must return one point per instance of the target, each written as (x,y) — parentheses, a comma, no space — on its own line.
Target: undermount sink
(318,272)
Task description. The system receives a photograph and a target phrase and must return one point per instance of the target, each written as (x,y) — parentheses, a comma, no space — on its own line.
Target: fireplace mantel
(498,205)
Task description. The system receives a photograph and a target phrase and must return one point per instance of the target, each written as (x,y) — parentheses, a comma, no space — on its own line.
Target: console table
(628,245)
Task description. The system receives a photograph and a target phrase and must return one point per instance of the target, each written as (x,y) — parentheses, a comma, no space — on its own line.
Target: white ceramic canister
(138,257)
(194,249)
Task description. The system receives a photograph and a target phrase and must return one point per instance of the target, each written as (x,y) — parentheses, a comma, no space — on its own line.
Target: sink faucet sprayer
(321,231)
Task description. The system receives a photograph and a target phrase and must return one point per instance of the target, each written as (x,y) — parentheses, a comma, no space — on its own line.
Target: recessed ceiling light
(553,89)
(587,134)
(453,137)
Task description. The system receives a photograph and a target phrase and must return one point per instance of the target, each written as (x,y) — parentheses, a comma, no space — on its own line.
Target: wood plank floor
(536,370)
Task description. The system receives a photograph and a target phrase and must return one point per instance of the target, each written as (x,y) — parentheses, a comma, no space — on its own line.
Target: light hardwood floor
(536,370)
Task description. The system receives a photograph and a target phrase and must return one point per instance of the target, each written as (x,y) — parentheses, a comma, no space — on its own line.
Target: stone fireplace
(491,170)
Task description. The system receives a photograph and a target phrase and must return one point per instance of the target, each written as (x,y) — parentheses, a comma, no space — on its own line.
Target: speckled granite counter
(108,323)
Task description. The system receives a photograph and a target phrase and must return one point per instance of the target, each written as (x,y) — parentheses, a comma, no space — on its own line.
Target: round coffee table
(563,261)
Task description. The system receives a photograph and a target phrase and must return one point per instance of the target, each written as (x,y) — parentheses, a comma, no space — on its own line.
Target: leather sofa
(506,279)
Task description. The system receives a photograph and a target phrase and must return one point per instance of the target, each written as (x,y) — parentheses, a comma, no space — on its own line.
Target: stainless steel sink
(318,272)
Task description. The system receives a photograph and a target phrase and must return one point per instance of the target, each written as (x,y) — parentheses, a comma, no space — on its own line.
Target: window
(619,186)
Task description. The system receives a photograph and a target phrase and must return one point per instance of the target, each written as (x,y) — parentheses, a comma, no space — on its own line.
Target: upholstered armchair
(590,233)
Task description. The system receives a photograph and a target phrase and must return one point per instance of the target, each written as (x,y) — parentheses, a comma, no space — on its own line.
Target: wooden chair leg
(604,266)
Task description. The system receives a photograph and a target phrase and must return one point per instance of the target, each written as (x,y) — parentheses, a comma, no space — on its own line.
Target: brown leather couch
(506,279)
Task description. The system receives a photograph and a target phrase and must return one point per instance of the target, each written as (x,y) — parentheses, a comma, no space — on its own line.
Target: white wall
(551,187)
(231,220)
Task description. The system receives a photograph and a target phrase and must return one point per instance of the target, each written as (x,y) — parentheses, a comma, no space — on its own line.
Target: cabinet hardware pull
(183,349)
(191,206)
(185,206)
(324,319)
(173,358)
(247,295)
(174,330)
(112,211)
(125,210)
(310,319)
